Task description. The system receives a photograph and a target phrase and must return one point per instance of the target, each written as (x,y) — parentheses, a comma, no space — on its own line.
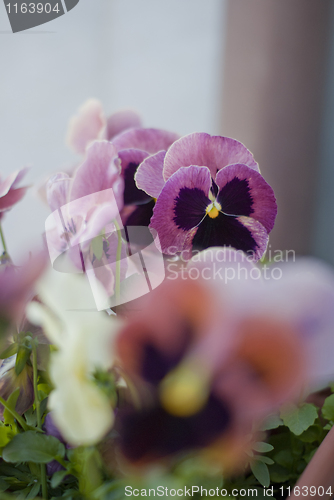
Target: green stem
(18,417)
(38,413)
(44,482)
(5,251)
(35,377)
(118,263)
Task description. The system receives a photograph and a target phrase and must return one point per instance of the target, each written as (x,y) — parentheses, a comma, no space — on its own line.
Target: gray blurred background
(261,71)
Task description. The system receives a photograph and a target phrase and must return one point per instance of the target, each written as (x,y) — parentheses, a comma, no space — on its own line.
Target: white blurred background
(160,57)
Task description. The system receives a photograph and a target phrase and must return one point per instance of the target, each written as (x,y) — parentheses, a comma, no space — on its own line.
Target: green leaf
(328,408)
(261,472)
(58,477)
(284,458)
(31,417)
(34,447)
(6,434)
(265,460)
(34,491)
(299,418)
(279,474)
(23,354)
(11,402)
(313,433)
(10,351)
(97,247)
(272,422)
(262,447)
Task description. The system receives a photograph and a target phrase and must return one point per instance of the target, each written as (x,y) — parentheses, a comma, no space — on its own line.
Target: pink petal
(149,176)
(122,120)
(12,180)
(151,140)
(98,173)
(214,152)
(11,198)
(86,126)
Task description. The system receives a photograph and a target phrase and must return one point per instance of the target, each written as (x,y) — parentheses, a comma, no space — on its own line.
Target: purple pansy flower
(209,193)
(133,147)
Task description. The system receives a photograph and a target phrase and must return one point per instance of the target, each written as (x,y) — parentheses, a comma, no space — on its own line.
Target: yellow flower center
(184,392)
(213,209)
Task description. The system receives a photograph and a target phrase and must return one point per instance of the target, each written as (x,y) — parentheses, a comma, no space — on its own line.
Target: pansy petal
(98,172)
(151,140)
(130,160)
(122,120)
(149,176)
(11,198)
(243,191)
(12,181)
(181,207)
(86,126)
(241,233)
(214,152)
(57,189)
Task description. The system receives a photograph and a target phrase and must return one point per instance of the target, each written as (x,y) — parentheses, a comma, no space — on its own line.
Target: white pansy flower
(84,338)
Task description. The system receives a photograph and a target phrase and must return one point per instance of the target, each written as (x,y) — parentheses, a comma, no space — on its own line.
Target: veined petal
(243,191)
(122,120)
(86,126)
(149,176)
(214,152)
(181,207)
(241,233)
(151,140)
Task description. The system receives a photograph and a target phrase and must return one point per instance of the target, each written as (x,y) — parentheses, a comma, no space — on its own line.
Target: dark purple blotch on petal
(190,207)
(133,195)
(141,215)
(235,198)
(157,363)
(153,432)
(223,231)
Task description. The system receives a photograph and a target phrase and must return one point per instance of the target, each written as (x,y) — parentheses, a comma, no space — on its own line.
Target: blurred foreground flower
(80,409)
(210,363)
(17,286)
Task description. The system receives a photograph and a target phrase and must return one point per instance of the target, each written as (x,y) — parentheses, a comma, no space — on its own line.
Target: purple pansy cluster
(196,191)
